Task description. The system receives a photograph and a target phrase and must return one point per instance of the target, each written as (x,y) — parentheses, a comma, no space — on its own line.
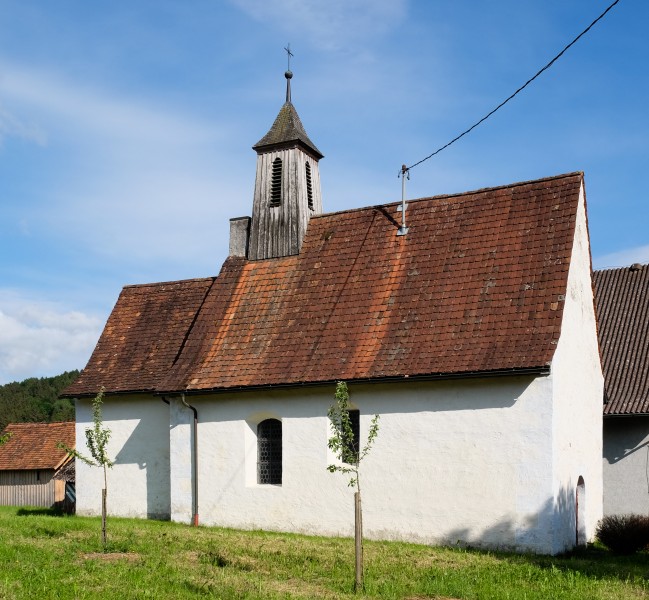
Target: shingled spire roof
(287,128)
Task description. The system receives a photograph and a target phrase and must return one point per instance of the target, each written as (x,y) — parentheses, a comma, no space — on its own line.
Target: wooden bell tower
(287,185)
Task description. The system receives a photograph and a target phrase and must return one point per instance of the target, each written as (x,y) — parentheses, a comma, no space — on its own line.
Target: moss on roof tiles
(287,128)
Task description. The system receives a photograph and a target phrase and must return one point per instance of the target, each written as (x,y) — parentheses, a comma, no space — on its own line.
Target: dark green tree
(36,400)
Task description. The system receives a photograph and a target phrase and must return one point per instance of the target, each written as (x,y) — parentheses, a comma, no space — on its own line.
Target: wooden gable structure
(29,462)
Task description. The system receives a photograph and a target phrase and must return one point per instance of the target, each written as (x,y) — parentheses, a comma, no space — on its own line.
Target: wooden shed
(29,462)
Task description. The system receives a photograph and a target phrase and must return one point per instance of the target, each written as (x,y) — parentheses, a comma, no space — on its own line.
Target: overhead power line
(520,89)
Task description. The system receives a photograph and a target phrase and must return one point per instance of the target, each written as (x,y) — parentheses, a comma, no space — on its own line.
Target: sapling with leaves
(4,438)
(97,438)
(346,447)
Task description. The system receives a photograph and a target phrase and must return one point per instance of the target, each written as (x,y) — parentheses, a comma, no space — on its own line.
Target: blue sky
(126,131)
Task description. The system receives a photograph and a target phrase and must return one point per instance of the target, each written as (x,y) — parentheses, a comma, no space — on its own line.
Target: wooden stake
(103,517)
(358,538)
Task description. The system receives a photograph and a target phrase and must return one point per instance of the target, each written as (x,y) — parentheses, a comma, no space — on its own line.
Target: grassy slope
(44,556)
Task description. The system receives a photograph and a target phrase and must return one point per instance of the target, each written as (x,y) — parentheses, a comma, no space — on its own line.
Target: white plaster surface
(626,465)
(138,484)
(466,462)
(458,461)
(577,399)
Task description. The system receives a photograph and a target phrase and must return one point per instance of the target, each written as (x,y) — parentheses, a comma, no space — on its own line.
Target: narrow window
(580,513)
(276,183)
(309,185)
(269,451)
(350,454)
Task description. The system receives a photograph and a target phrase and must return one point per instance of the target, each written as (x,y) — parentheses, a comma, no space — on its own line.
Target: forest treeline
(35,400)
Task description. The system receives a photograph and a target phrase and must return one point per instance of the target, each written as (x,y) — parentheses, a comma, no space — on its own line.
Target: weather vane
(288,55)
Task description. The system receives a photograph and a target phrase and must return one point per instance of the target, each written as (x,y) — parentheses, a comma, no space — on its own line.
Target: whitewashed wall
(578,396)
(138,484)
(454,461)
(626,465)
(467,462)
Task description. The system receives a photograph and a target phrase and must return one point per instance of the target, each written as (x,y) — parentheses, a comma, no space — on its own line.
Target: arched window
(309,185)
(276,183)
(269,451)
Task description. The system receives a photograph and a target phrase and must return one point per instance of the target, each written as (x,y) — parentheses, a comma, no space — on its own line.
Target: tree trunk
(103,517)
(358,539)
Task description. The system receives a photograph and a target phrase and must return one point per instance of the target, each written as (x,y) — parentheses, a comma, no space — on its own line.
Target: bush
(624,534)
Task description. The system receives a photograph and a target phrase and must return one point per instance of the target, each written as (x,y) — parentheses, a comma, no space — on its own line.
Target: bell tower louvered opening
(309,185)
(276,183)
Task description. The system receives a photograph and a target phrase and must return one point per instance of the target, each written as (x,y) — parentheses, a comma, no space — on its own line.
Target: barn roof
(622,303)
(34,446)
(476,287)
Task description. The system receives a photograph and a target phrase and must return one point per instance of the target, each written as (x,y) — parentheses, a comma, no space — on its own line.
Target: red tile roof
(477,286)
(143,337)
(33,446)
(622,302)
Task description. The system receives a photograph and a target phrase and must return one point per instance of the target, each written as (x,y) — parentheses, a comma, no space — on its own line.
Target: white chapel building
(473,337)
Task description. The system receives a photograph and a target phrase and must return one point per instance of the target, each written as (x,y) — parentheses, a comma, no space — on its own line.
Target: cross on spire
(288,56)
(288,73)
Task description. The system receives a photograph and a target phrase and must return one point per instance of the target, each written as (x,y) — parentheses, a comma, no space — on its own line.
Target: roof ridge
(624,268)
(159,283)
(31,424)
(453,195)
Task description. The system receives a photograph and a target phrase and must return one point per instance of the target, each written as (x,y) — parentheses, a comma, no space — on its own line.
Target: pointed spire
(287,128)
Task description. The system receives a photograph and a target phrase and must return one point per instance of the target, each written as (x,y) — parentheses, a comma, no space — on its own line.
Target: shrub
(624,534)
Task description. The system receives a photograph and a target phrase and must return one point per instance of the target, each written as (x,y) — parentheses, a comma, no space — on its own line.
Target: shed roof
(34,446)
(622,303)
(476,287)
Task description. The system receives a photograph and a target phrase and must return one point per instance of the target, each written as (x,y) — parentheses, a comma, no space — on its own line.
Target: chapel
(473,336)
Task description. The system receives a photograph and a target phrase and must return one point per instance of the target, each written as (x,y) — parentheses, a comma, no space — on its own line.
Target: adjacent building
(30,462)
(622,299)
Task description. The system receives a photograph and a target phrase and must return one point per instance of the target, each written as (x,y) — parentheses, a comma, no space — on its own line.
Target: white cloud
(11,126)
(135,176)
(622,258)
(39,339)
(330,25)
(83,109)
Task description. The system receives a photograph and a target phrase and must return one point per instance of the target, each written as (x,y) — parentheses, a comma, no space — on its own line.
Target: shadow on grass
(594,561)
(39,512)
(599,562)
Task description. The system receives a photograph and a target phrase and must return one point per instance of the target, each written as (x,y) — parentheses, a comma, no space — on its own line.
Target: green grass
(47,556)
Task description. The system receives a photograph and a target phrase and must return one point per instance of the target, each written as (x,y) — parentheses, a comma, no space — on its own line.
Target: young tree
(346,447)
(97,438)
(5,438)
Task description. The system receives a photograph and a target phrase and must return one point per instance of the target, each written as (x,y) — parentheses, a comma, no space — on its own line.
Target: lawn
(47,556)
